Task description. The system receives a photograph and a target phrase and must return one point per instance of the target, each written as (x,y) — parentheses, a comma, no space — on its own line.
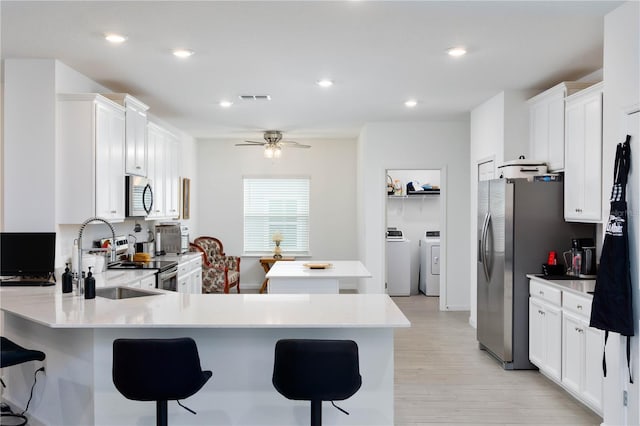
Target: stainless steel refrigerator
(519,222)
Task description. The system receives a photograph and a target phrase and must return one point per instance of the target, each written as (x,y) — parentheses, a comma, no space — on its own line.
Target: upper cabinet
(583,156)
(163,172)
(547,122)
(89,158)
(135,134)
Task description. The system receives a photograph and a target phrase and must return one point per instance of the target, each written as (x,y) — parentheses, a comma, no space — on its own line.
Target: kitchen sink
(117,293)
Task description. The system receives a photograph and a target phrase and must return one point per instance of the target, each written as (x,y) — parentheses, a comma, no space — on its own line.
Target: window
(276,205)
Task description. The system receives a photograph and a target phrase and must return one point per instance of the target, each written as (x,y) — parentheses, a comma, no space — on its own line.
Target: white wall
(499,131)
(622,90)
(331,167)
(433,145)
(29,129)
(414,216)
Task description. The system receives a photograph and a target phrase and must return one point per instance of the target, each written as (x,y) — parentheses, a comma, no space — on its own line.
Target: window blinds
(276,205)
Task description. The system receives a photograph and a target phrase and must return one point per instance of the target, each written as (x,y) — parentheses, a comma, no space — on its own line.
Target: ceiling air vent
(255,97)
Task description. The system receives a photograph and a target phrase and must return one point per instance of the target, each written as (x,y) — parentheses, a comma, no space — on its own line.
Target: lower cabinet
(581,351)
(562,345)
(190,276)
(545,337)
(148,282)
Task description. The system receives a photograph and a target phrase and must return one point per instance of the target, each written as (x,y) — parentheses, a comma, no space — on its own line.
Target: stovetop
(160,265)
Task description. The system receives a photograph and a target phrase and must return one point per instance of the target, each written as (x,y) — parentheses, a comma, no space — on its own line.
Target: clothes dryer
(430,263)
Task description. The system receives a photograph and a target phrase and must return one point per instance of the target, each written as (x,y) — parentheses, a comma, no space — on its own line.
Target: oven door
(168,280)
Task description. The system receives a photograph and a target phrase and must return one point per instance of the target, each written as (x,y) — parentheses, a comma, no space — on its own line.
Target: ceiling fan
(273,144)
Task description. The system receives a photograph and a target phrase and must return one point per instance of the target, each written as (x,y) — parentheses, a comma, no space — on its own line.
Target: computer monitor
(27,253)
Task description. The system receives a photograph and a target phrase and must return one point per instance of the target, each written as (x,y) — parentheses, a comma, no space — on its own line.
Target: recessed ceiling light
(183,53)
(411,103)
(115,38)
(324,82)
(225,104)
(457,51)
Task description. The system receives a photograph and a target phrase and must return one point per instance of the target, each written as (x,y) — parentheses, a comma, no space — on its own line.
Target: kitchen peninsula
(235,334)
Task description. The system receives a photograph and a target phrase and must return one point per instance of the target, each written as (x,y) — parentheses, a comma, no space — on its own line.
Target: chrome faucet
(113,246)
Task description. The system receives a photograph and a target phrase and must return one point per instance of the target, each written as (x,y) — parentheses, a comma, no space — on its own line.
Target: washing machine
(398,264)
(430,263)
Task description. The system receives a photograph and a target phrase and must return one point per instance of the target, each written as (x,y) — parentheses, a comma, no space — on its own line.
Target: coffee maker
(582,263)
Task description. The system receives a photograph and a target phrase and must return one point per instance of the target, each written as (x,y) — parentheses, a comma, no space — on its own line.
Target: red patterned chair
(219,272)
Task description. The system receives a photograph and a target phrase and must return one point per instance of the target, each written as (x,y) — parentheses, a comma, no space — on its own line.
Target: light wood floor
(441,377)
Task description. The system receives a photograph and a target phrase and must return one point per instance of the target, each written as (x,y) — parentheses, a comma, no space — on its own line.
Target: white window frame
(290,217)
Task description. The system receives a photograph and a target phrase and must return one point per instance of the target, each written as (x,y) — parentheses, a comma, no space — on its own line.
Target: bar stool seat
(13,354)
(158,370)
(316,370)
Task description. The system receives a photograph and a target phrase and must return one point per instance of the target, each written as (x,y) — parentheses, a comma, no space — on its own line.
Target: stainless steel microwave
(139,196)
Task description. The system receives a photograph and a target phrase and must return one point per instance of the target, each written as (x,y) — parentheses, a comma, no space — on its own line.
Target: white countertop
(578,286)
(184,257)
(48,306)
(338,269)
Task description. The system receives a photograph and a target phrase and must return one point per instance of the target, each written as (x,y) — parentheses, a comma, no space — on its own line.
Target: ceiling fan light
(268,152)
(277,152)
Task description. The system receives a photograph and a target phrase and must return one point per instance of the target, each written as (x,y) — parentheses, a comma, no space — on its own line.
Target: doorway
(415,204)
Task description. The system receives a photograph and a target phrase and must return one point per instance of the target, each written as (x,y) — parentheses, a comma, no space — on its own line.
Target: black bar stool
(158,370)
(316,371)
(12,354)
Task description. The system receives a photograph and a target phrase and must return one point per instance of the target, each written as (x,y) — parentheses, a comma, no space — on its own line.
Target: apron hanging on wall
(612,308)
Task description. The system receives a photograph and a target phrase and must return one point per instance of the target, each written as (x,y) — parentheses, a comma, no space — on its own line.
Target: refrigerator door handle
(481,240)
(485,233)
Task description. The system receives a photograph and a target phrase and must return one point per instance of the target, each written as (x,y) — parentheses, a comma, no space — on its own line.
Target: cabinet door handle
(541,312)
(579,330)
(541,293)
(138,167)
(113,212)
(579,307)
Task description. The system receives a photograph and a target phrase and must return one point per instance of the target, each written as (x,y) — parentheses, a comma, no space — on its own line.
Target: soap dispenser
(89,286)
(67,280)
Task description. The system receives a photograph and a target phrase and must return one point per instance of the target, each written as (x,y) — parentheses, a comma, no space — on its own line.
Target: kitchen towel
(612,308)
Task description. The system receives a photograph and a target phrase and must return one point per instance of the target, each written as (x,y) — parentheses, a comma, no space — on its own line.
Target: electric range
(166,275)
(160,265)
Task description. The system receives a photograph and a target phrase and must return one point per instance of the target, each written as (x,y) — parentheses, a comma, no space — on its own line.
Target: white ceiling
(378,53)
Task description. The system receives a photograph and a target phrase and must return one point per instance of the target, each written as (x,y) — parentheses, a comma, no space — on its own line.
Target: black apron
(612,308)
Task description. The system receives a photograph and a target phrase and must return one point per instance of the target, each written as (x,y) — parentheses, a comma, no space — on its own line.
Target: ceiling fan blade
(294,144)
(249,144)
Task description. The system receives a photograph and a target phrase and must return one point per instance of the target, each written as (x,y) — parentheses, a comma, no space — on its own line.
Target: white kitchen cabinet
(561,343)
(546,124)
(581,351)
(190,276)
(545,329)
(89,158)
(172,178)
(163,155)
(583,156)
(148,282)
(155,170)
(135,133)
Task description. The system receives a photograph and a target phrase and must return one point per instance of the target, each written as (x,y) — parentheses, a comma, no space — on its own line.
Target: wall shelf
(420,195)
